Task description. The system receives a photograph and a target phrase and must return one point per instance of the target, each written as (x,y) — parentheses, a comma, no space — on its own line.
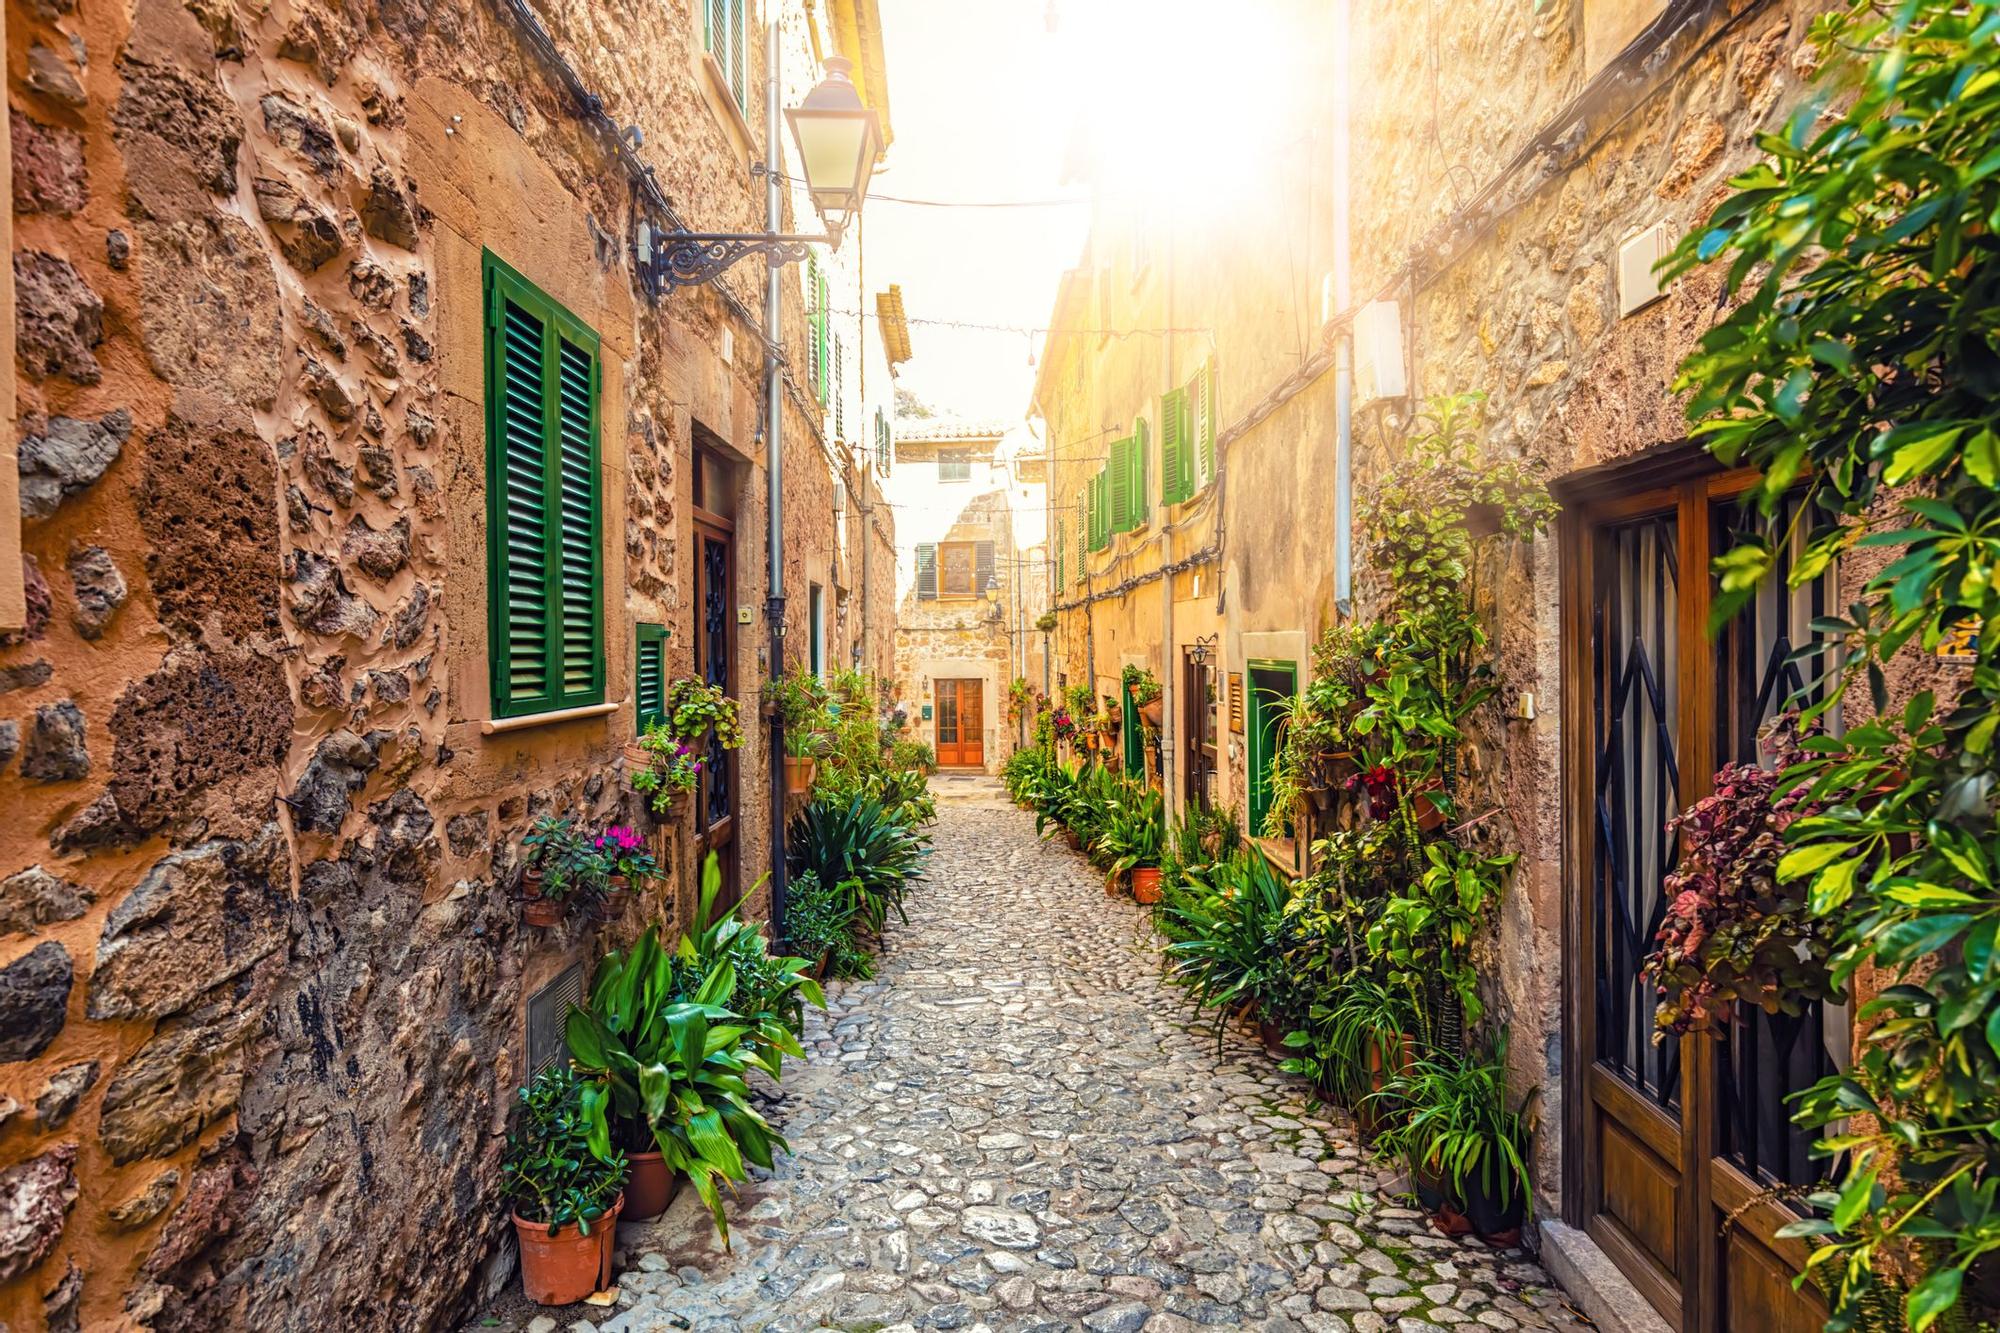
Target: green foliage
(1353,1018)
(1227,951)
(1452,1120)
(913,756)
(816,916)
(1133,831)
(1425,930)
(568,859)
(694,706)
(1141,684)
(770,991)
(1857,366)
(672,766)
(863,849)
(801,701)
(551,1172)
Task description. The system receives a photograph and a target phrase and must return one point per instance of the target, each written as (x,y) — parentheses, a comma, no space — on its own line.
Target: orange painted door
(961,724)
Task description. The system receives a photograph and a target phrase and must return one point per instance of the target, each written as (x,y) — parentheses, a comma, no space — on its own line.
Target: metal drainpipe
(774,463)
(1169,676)
(1343,347)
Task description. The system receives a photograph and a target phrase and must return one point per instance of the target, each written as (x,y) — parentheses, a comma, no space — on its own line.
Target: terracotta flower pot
(1146,884)
(611,903)
(1151,713)
(537,910)
(1071,837)
(799,774)
(1429,817)
(563,1268)
(1112,887)
(651,1187)
(819,967)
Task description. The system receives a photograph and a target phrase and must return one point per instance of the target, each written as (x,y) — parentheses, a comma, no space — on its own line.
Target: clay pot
(1150,713)
(1112,887)
(1369,1113)
(1429,818)
(563,1268)
(1146,884)
(819,967)
(535,909)
(799,774)
(1074,840)
(651,1187)
(1273,1037)
(611,903)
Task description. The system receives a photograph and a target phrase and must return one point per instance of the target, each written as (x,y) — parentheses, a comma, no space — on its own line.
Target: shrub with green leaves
(863,849)
(1859,368)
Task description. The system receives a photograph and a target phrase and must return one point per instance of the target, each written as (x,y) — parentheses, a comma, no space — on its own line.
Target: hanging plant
(1734,932)
(694,706)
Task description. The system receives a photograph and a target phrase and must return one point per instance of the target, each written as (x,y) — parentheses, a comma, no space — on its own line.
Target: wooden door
(1678,1139)
(961,723)
(715,662)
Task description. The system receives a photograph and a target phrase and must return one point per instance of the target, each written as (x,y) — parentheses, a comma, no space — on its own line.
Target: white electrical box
(1638,285)
(1378,353)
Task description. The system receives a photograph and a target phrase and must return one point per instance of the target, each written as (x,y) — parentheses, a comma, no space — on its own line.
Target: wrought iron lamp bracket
(688,259)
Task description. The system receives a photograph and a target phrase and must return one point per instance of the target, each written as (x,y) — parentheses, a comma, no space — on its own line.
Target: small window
(957,570)
(954,465)
(726,30)
(545,620)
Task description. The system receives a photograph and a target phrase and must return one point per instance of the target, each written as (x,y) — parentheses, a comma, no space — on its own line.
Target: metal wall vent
(548,1010)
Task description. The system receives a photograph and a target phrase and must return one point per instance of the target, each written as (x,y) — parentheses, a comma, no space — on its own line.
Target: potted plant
(566,1194)
(799,700)
(1143,688)
(816,920)
(628,865)
(673,1074)
(1046,622)
(663,768)
(555,855)
(1462,1142)
(1134,836)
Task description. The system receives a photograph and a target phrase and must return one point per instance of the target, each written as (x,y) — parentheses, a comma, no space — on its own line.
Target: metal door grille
(1636,640)
(548,1015)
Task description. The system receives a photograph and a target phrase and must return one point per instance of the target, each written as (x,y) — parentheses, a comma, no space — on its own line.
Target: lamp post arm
(690,258)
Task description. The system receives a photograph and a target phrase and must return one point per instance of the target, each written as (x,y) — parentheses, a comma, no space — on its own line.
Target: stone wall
(260,955)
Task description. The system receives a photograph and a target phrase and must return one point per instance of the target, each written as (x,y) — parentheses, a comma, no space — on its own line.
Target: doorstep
(1594,1283)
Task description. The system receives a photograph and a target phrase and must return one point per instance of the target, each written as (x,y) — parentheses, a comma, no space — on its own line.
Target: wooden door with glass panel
(715,658)
(1689,1162)
(961,724)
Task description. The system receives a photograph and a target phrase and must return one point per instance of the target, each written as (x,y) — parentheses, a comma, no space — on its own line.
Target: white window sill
(495,726)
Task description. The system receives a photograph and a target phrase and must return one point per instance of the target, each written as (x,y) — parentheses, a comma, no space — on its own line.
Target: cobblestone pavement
(1018,1126)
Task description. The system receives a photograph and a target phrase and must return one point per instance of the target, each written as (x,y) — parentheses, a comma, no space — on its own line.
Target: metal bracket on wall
(689,259)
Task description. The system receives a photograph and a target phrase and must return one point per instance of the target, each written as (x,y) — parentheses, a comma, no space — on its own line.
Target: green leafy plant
(770,991)
(1141,684)
(913,756)
(672,766)
(567,859)
(695,706)
(551,1171)
(801,702)
(1355,1027)
(1046,622)
(1454,1122)
(817,916)
(672,1069)
(1426,929)
(1855,370)
(858,846)
(1228,954)
(1134,831)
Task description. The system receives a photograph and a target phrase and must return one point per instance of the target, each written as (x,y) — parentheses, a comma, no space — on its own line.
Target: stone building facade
(1509,175)
(970,584)
(264,986)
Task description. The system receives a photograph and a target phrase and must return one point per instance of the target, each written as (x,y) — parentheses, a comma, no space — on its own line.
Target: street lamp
(993,597)
(838,141)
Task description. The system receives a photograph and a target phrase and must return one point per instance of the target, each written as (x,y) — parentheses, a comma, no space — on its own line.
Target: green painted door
(1271,685)
(1132,730)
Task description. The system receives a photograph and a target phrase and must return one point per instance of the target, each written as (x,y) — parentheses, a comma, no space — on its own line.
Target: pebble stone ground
(1018,1127)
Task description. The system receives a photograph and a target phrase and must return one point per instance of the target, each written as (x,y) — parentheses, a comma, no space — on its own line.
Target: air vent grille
(548,1010)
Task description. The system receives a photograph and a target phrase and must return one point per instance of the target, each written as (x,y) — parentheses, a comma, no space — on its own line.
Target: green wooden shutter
(1061,550)
(812,322)
(1176,457)
(1121,485)
(927,572)
(819,333)
(839,391)
(545,575)
(1082,533)
(649,674)
(1138,500)
(1100,516)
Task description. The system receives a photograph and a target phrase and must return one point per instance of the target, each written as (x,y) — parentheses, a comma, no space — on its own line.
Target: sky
(980,115)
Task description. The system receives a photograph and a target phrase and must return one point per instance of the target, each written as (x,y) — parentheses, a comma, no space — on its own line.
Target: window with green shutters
(927,582)
(1177,461)
(1138,462)
(815,328)
(726,28)
(544,554)
(1100,506)
(649,674)
(1082,533)
(1061,548)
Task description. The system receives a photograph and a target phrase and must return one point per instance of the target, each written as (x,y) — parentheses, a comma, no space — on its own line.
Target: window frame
(736,49)
(503,285)
(947,593)
(958,458)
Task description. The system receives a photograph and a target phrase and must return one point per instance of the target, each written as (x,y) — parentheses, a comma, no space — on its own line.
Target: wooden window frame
(1257,791)
(504,286)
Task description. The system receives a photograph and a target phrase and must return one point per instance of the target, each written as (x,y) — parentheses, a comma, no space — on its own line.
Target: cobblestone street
(1017,1125)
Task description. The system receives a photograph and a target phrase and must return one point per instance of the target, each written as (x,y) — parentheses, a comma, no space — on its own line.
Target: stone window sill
(498,725)
(732,114)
